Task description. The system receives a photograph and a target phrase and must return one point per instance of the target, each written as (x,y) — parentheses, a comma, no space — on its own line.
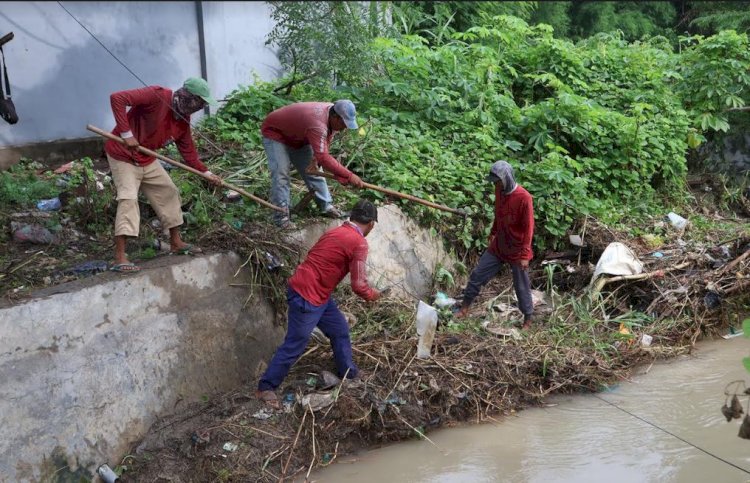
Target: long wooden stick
(148,152)
(395,193)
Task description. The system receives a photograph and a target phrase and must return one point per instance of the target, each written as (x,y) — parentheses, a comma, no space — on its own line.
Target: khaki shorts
(158,187)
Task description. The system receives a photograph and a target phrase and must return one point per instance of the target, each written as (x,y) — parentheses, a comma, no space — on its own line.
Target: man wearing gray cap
(298,134)
(510,242)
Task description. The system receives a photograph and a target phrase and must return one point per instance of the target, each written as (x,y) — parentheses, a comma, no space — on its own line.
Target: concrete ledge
(87,370)
(52,153)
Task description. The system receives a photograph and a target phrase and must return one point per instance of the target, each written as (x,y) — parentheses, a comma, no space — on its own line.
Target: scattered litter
(289,397)
(31,233)
(88,268)
(657,255)
(232,195)
(442,300)
(317,401)
(617,259)
(231,447)
(733,334)
(501,331)
(427,318)
(273,262)
(107,475)
(711,300)
(200,438)
(52,204)
(312,381)
(330,379)
(576,240)
(395,401)
(646,340)
(263,414)
(676,220)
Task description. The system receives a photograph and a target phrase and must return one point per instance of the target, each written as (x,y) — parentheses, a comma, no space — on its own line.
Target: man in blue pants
(339,251)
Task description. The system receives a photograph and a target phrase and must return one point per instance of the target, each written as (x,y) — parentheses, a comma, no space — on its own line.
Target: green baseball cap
(199,87)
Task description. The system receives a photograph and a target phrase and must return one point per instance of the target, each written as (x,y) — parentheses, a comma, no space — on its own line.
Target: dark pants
(303,318)
(487,268)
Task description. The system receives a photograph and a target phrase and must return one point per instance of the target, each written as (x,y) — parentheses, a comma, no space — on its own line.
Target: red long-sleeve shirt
(304,123)
(151,121)
(339,251)
(513,229)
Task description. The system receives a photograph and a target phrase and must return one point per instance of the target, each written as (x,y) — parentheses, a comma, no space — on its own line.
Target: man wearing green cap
(156,116)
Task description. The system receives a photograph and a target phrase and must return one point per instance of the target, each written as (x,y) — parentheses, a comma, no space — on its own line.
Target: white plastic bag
(427,318)
(617,259)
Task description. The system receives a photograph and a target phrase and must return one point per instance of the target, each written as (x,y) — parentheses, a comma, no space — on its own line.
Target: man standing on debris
(510,242)
(156,116)
(339,251)
(300,133)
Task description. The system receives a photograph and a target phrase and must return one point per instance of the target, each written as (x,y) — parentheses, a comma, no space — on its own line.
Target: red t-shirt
(339,251)
(513,229)
(153,124)
(304,123)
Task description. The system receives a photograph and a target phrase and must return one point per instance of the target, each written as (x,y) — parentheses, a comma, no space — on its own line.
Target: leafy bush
(591,128)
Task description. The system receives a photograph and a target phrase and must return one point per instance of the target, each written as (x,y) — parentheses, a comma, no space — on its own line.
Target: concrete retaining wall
(87,370)
(86,367)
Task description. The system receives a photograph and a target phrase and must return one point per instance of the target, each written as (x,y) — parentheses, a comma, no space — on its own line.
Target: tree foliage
(597,127)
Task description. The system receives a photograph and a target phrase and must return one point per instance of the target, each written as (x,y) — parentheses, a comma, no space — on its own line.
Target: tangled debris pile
(584,342)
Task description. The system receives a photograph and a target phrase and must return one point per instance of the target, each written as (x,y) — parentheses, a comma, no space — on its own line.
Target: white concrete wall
(235,36)
(61,77)
(86,371)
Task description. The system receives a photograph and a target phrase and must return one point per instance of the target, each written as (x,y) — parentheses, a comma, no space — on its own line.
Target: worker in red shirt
(300,134)
(339,251)
(156,116)
(510,242)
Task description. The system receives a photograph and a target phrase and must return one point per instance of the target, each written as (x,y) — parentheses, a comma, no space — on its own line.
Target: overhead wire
(137,77)
(673,435)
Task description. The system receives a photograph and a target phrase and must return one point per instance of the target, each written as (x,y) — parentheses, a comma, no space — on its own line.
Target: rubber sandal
(188,249)
(270,398)
(129,267)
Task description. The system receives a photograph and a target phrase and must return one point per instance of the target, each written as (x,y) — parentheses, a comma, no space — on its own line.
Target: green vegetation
(600,128)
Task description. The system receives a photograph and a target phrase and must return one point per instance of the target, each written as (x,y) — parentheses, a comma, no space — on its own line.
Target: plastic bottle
(51,204)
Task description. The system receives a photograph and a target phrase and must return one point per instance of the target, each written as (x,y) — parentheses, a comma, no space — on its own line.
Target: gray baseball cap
(345,108)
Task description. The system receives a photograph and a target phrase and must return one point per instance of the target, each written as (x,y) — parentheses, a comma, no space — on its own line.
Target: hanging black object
(7,108)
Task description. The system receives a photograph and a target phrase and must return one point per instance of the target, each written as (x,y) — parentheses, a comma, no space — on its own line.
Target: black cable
(672,434)
(136,76)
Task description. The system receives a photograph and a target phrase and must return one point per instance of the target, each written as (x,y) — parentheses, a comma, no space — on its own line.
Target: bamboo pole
(396,193)
(149,152)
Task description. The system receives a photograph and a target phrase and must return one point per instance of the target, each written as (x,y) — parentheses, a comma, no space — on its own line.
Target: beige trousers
(158,187)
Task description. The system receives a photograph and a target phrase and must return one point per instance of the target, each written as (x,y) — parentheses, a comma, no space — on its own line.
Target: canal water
(583,438)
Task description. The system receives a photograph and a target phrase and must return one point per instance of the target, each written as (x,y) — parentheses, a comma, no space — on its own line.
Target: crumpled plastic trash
(52,204)
(88,268)
(31,233)
(676,220)
(617,259)
(427,318)
(263,414)
(501,331)
(442,300)
(317,401)
(231,447)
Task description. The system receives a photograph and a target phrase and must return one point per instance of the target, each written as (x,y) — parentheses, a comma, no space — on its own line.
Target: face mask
(186,103)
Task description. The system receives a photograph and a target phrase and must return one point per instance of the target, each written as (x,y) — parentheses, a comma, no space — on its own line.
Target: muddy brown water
(583,439)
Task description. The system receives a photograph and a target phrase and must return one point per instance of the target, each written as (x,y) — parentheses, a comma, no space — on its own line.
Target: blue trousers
(303,318)
(280,160)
